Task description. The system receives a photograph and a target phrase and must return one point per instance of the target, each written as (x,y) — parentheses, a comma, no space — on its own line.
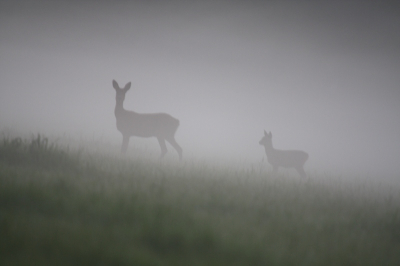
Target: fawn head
(121,92)
(267,139)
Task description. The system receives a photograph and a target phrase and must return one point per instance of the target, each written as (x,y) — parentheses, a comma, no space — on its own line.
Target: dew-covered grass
(62,206)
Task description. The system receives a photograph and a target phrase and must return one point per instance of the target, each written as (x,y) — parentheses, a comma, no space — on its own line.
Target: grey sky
(323,76)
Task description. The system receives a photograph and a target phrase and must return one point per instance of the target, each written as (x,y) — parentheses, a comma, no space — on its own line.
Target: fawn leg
(301,171)
(125,142)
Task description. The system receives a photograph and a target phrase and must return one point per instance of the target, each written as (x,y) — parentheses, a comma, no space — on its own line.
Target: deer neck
(119,108)
(269,150)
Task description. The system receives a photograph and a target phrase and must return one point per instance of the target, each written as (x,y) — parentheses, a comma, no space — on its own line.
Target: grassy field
(61,206)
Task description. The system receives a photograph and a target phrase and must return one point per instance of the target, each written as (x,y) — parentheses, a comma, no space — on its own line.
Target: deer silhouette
(287,159)
(160,125)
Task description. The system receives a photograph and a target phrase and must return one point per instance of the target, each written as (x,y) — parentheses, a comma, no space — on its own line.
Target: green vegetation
(64,207)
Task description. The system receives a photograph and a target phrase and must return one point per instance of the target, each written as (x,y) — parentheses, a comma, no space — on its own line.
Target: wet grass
(64,207)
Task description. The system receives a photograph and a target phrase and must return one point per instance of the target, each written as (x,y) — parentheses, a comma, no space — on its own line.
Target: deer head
(266,140)
(121,92)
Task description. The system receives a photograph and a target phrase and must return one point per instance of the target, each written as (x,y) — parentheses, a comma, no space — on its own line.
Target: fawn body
(283,158)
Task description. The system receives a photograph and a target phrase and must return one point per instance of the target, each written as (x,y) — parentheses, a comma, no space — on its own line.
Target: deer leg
(125,142)
(301,172)
(275,170)
(176,146)
(163,147)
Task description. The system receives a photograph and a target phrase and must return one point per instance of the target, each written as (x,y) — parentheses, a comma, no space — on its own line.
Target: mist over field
(322,76)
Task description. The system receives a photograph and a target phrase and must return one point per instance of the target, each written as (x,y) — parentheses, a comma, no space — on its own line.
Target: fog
(322,76)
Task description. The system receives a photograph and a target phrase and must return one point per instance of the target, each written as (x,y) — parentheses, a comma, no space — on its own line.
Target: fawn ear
(115,84)
(127,86)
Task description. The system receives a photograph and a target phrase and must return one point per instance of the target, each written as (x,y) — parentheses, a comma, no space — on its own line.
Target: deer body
(146,125)
(283,158)
(160,125)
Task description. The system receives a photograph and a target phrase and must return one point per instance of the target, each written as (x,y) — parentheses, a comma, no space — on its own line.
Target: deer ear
(127,86)
(115,84)
(270,134)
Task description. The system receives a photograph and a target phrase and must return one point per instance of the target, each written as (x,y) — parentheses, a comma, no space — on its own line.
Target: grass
(65,207)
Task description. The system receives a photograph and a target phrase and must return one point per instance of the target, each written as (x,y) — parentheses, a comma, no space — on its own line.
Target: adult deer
(287,159)
(159,125)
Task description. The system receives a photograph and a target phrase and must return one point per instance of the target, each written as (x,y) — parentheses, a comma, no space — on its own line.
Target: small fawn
(159,125)
(287,159)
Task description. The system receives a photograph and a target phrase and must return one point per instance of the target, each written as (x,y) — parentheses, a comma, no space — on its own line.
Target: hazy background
(323,76)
